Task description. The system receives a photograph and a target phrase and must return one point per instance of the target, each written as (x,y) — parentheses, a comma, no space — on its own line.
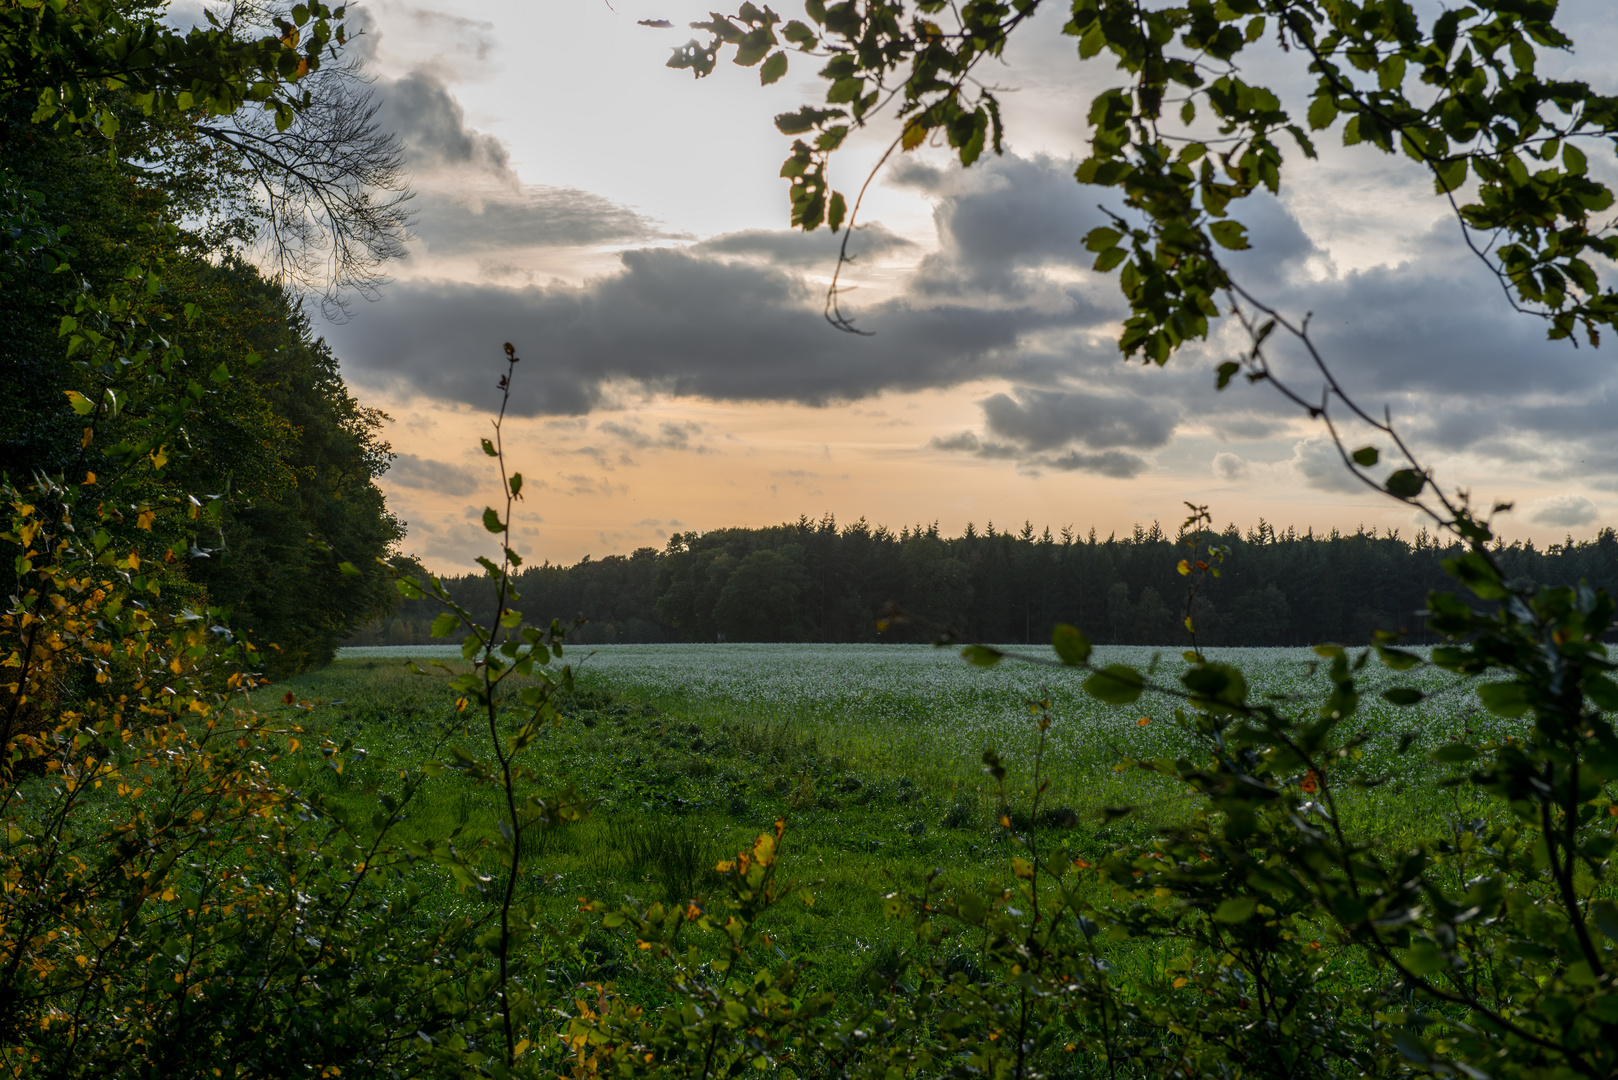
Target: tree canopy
(145,358)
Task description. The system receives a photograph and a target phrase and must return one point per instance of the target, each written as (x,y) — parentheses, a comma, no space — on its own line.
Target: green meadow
(872,755)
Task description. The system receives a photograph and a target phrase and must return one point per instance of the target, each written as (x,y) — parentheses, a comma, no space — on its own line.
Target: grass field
(871,753)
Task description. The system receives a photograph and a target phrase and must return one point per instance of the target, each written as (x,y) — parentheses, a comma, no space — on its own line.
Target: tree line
(821,581)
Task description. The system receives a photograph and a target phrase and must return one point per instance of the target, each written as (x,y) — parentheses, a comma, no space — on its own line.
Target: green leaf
(1227,371)
(1216,683)
(981,655)
(491,521)
(488,448)
(1604,913)
(1102,239)
(1402,695)
(445,624)
(348,569)
(1109,259)
(1236,909)
(1322,112)
(1230,234)
(773,69)
(1603,691)
(1116,684)
(1425,958)
(1071,645)
(1508,699)
(1405,484)
(1398,659)
(81,404)
(836,210)
(1365,456)
(1449,175)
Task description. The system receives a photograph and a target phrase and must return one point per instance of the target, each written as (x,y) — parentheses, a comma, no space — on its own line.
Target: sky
(624,226)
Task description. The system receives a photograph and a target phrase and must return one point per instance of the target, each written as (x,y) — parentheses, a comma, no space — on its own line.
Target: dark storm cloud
(1008,294)
(432,127)
(676,322)
(1434,340)
(1050,419)
(1439,327)
(411,471)
(999,223)
(1113,463)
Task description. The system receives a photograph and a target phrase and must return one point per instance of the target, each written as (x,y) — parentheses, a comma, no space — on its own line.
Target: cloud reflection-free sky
(624,226)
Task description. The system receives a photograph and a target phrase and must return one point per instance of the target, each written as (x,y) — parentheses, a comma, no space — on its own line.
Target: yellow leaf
(160,457)
(89,437)
(1181,981)
(1022,868)
(1184,568)
(915,132)
(145,519)
(89,478)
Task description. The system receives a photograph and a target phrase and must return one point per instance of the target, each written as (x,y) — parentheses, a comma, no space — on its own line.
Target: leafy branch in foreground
(500,650)
(1458,93)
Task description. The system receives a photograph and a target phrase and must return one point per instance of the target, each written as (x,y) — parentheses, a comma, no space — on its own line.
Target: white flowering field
(920,710)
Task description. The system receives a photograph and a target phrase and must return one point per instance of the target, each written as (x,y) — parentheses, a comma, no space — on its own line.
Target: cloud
(1563,511)
(676,322)
(670,435)
(1007,295)
(1433,339)
(469,198)
(1113,463)
(533,217)
(1319,464)
(1048,419)
(999,223)
(962,441)
(816,250)
(1228,466)
(432,127)
(411,471)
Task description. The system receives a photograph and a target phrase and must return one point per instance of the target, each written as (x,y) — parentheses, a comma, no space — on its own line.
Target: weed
(675,854)
(962,812)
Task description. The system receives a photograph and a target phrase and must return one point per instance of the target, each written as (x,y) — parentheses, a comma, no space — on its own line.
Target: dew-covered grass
(873,754)
(915,708)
